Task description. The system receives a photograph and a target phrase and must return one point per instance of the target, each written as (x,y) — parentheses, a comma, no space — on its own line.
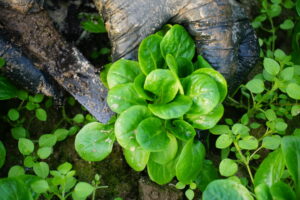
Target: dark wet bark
(43,44)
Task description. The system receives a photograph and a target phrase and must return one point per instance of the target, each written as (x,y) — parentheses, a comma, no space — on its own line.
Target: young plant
(160,101)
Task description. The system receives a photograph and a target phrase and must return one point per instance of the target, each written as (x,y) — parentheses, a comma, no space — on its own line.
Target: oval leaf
(163,157)
(181,129)
(122,71)
(151,135)
(178,42)
(204,92)
(122,97)
(137,159)
(149,54)
(161,174)
(172,110)
(126,125)
(163,84)
(206,121)
(226,190)
(94,141)
(190,161)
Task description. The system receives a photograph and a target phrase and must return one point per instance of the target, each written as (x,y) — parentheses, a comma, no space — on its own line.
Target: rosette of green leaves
(160,100)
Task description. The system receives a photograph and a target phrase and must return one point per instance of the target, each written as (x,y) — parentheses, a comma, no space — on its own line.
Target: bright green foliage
(41,169)
(150,48)
(137,159)
(26,146)
(228,167)
(226,190)
(94,141)
(160,101)
(122,71)
(16,171)
(190,161)
(13,188)
(270,170)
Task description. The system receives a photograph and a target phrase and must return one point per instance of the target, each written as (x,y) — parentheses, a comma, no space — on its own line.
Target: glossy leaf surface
(181,129)
(137,159)
(151,135)
(94,141)
(127,123)
(172,110)
(122,97)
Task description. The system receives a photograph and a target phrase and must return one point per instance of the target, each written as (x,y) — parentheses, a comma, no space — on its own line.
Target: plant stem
(245,161)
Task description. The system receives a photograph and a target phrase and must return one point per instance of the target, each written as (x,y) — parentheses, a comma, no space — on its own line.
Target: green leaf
(139,82)
(293,90)
(2,154)
(137,159)
(181,129)
(270,170)
(149,54)
(190,161)
(2,62)
(281,126)
(38,98)
(226,190)
(175,109)
(40,186)
(16,171)
(47,140)
(94,141)
(41,169)
(228,167)
(274,10)
(256,86)
(204,92)
(282,191)
(202,63)
(208,173)
(262,192)
(7,89)
(165,156)
(122,71)
(44,152)
(220,129)
(185,67)
(28,161)
(248,143)
(287,74)
(220,80)
(270,114)
(161,174)
(94,24)
(240,129)
(25,146)
(18,132)
(206,121)
(122,97)
(163,84)
(178,43)
(64,168)
(13,114)
(287,24)
(103,75)
(290,146)
(298,7)
(151,135)
(78,118)
(295,110)
(271,142)
(224,141)
(61,134)
(271,66)
(126,126)
(14,188)
(189,194)
(41,114)
(83,190)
